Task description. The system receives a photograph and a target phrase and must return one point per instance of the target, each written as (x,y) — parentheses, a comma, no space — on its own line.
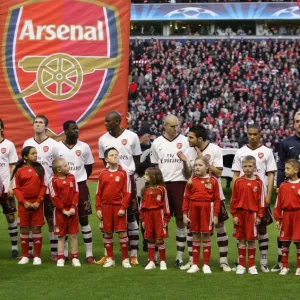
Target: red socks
(24,239)
(37,244)
(206,252)
(242,256)
(109,246)
(196,253)
(285,256)
(151,251)
(124,247)
(162,250)
(251,257)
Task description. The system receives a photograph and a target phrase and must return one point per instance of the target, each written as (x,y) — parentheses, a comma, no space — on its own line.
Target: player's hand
(128,118)
(278,224)
(182,156)
(27,205)
(236,221)
(10,192)
(186,220)
(134,205)
(72,211)
(215,220)
(66,213)
(143,224)
(99,214)
(257,221)
(199,152)
(35,205)
(121,213)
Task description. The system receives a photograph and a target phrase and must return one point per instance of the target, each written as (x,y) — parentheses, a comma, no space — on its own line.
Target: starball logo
(62,56)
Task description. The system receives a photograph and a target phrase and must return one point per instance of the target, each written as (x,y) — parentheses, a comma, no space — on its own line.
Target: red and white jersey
(114,187)
(77,157)
(8,156)
(288,198)
(127,144)
(214,154)
(249,195)
(1,189)
(164,153)
(45,154)
(265,161)
(63,192)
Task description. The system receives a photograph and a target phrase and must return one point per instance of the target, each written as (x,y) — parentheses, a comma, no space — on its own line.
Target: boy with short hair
(247,207)
(287,214)
(112,199)
(65,196)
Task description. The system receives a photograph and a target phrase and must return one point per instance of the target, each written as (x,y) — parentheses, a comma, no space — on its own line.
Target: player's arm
(217,165)
(270,187)
(217,198)
(88,169)
(217,172)
(126,192)
(282,156)
(262,202)
(10,192)
(42,191)
(236,167)
(75,199)
(278,209)
(186,170)
(17,189)
(234,199)
(137,161)
(167,214)
(236,175)
(54,195)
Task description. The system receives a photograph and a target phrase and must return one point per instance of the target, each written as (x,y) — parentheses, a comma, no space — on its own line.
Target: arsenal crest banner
(65,59)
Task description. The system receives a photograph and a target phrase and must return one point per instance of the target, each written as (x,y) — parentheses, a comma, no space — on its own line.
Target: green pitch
(93,282)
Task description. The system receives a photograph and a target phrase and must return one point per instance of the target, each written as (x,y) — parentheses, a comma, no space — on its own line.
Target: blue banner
(215,11)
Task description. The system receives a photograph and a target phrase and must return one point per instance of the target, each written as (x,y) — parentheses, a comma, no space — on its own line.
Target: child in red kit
(64,196)
(247,207)
(29,190)
(287,214)
(201,207)
(112,199)
(155,215)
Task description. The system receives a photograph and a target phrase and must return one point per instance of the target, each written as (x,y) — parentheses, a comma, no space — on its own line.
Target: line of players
(174,155)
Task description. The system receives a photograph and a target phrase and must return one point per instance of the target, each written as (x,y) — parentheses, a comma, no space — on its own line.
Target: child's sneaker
(252,270)
(37,261)
(206,269)
(193,269)
(102,260)
(23,261)
(109,263)
(225,267)
(76,262)
(187,266)
(277,267)
(134,260)
(240,270)
(60,262)
(284,271)
(151,265)
(163,266)
(297,272)
(264,268)
(126,264)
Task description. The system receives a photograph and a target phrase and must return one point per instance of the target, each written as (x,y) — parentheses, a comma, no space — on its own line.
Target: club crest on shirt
(56,229)
(45,148)
(208,185)
(78,152)
(117,178)
(158,198)
(179,145)
(260,155)
(124,142)
(208,156)
(3,150)
(255,189)
(71,184)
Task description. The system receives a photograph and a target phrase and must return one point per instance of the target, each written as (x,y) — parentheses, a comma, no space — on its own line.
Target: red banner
(65,59)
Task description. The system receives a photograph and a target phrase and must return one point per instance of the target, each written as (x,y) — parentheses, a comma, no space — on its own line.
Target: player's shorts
(201,215)
(111,222)
(175,190)
(8,205)
(246,230)
(267,218)
(154,224)
(223,215)
(30,218)
(84,203)
(290,226)
(64,225)
(48,206)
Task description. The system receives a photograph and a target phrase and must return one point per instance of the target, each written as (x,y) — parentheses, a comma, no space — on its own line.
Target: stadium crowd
(224,84)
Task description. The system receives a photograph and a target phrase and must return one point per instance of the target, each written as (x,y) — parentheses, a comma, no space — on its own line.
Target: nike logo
(291,147)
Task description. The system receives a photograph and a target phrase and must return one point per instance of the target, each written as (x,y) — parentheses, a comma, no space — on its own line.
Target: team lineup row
(162,197)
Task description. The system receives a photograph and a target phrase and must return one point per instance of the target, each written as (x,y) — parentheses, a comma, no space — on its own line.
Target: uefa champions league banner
(215,11)
(66,59)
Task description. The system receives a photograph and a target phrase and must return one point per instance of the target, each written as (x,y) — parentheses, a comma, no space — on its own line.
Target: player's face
(249,167)
(32,155)
(171,128)
(297,124)
(64,168)
(111,123)
(200,168)
(290,170)
(112,157)
(253,137)
(147,177)
(193,140)
(145,139)
(39,125)
(73,131)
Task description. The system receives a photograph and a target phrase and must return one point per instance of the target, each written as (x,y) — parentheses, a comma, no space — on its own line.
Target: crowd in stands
(224,84)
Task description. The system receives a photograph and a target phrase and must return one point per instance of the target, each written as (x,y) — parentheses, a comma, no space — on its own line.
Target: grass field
(93,282)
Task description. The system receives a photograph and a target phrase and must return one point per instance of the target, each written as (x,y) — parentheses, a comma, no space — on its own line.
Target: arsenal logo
(62,60)
(124,142)
(260,155)
(45,148)
(208,156)
(3,150)
(78,152)
(179,145)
